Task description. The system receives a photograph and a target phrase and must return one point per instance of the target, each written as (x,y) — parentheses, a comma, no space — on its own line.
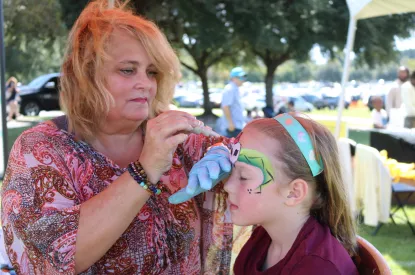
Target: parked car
(215,96)
(333,102)
(251,101)
(41,94)
(188,101)
(317,102)
(194,99)
(300,104)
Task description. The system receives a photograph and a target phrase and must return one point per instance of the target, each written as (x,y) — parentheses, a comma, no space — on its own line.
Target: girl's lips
(232,206)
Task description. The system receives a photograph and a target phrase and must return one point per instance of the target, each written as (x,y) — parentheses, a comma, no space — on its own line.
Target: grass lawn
(362,112)
(396,243)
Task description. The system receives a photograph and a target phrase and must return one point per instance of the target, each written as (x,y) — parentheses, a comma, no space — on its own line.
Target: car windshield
(39,81)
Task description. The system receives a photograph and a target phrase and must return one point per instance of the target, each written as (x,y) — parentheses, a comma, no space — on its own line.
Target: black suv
(41,94)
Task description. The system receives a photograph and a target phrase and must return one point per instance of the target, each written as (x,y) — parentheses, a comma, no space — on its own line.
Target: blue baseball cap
(238,72)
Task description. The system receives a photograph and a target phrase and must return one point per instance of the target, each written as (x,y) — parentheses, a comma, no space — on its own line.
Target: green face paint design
(254,158)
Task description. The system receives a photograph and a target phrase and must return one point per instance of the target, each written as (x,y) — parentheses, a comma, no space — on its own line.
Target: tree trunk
(206,100)
(269,82)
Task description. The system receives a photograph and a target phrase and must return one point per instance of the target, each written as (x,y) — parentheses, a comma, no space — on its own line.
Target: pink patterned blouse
(50,175)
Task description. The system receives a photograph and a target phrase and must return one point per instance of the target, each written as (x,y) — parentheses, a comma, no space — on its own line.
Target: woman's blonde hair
(10,80)
(84,96)
(331,203)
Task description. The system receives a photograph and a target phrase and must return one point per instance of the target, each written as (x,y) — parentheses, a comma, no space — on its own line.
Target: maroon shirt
(315,252)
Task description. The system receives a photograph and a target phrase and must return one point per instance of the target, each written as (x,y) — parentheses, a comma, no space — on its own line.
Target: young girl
(286,179)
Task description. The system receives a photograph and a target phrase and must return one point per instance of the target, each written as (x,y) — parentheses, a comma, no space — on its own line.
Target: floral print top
(49,176)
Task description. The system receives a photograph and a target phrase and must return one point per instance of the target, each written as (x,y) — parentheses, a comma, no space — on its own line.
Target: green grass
(362,112)
(395,242)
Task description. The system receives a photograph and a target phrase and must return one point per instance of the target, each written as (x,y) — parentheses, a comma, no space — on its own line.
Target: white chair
(372,181)
(346,163)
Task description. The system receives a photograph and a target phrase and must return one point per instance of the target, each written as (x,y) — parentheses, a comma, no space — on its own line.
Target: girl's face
(248,202)
(130,77)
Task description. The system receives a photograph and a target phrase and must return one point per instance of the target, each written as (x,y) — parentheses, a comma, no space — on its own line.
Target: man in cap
(231,103)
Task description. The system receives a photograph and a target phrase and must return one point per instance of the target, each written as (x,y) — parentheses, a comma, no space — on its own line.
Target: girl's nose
(230,185)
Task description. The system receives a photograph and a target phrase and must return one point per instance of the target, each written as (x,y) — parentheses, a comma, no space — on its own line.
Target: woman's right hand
(163,134)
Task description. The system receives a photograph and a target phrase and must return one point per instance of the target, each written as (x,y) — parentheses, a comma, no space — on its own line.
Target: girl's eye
(127,71)
(242,178)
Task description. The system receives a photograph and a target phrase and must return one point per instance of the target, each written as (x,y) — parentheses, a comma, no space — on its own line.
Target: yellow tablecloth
(400,172)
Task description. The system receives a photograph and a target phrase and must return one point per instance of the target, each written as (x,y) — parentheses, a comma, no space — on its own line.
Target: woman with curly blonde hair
(87,192)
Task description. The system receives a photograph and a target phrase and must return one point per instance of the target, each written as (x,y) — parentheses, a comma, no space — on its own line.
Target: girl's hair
(331,203)
(84,95)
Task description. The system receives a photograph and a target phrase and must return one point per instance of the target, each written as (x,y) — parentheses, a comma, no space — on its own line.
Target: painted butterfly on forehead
(254,158)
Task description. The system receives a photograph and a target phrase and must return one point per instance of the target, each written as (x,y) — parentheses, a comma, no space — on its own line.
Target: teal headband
(303,141)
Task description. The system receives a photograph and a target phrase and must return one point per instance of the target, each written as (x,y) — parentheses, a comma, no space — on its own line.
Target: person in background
(12,94)
(379,115)
(231,103)
(291,106)
(252,114)
(394,97)
(408,101)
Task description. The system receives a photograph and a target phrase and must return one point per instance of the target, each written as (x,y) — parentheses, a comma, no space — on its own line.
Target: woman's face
(249,204)
(130,77)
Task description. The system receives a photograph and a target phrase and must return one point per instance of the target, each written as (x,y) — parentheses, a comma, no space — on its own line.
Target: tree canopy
(33,37)
(220,34)
(277,31)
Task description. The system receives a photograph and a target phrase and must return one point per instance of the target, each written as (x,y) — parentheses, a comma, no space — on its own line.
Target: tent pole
(3,93)
(110,4)
(346,68)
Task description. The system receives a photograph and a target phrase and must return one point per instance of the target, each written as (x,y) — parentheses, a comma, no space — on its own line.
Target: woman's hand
(163,134)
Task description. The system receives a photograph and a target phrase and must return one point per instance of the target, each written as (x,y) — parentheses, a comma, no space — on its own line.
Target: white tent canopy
(362,9)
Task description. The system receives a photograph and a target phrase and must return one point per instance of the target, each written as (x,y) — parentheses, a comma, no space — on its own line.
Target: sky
(401,45)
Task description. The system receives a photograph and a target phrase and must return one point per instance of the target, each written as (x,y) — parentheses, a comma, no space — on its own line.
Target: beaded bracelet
(139,175)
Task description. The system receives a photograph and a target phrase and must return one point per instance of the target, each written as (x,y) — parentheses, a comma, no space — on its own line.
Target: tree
(330,72)
(71,11)
(33,37)
(200,28)
(277,31)
(292,71)
(375,37)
